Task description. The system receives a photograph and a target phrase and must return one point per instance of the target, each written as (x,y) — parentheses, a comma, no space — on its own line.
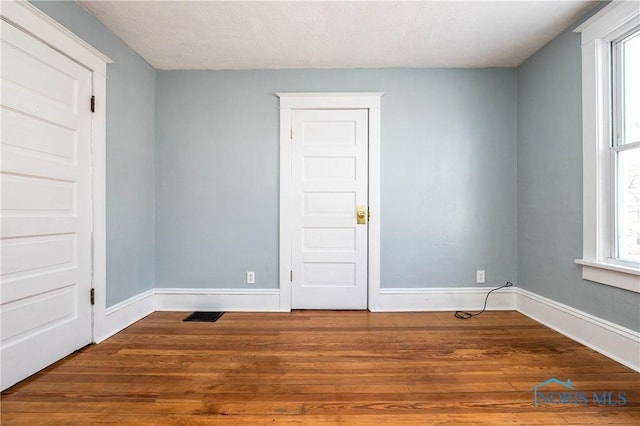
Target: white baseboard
(442,299)
(214,299)
(123,314)
(612,340)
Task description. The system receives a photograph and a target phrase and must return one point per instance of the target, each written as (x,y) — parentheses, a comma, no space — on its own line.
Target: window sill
(609,274)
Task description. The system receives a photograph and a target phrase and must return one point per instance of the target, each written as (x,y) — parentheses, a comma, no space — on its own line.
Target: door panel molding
(291,101)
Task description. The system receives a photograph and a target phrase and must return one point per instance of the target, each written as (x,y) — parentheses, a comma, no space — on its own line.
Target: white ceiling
(335,34)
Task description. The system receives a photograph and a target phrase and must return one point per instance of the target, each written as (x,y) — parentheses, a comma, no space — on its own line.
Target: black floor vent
(204,316)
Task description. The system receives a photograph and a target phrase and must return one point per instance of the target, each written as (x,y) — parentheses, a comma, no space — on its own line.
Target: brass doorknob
(361,214)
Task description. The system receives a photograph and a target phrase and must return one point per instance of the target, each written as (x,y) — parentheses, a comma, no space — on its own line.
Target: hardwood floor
(325,367)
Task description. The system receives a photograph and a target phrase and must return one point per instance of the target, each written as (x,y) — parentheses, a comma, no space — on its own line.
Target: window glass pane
(628,209)
(631,110)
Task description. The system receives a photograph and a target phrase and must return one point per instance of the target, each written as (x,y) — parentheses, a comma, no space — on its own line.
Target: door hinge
(291,133)
(368,215)
(93,296)
(93,104)
(291,276)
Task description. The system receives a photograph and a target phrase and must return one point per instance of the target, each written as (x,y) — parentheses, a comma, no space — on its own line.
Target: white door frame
(291,101)
(33,21)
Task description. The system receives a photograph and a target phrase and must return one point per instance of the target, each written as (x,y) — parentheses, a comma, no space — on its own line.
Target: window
(625,145)
(611,146)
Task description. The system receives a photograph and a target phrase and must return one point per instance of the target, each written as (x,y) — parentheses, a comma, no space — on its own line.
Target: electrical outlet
(480,276)
(251,277)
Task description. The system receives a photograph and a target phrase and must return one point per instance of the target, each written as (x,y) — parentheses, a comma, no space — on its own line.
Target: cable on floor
(467,315)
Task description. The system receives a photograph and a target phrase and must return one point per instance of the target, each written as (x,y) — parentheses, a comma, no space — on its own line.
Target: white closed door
(329,182)
(45,172)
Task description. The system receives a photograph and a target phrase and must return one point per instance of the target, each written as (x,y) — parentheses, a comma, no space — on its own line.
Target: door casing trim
(352,100)
(39,25)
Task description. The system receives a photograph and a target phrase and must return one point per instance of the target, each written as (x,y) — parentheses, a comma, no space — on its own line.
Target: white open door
(329,183)
(46,206)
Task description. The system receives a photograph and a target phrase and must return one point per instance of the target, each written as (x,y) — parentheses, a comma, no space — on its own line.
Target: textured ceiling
(335,34)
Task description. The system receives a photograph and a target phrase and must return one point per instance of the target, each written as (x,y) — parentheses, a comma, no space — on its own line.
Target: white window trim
(597,33)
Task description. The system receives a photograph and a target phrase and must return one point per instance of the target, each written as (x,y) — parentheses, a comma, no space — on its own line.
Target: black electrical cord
(467,315)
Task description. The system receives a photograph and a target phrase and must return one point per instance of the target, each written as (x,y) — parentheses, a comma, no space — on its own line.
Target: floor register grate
(201,316)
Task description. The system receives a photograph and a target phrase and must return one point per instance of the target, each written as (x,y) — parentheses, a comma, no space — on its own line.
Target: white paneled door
(329,183)
(45,307)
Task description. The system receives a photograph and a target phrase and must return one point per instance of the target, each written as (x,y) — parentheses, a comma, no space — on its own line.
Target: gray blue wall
(130,154)
(448,174)
(449,182)
(550,186)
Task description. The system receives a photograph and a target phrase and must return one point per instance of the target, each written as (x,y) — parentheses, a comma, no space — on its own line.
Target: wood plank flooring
(324,367)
